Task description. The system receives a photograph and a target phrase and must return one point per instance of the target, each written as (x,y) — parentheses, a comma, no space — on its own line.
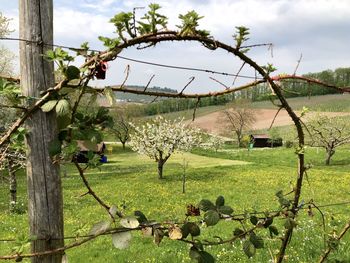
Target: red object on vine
(101,69)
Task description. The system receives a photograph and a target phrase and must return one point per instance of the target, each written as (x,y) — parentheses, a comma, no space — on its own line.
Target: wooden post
(45,208)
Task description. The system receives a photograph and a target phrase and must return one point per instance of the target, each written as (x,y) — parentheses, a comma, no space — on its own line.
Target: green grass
(329,103)
(248,180)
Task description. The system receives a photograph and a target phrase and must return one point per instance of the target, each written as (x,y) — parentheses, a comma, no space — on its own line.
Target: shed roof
(260,136)
(90,146)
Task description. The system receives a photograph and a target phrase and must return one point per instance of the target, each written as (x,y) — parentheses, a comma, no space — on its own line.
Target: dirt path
(212,124)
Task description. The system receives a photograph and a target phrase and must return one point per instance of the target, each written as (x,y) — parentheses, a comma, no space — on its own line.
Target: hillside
(207,118)
(141,98)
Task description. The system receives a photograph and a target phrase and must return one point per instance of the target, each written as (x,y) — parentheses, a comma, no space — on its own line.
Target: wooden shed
(264,140)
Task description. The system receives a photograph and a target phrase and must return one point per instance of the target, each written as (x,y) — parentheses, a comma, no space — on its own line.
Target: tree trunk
(330,153)
(45,209)
(13,183)
(160,168)
(123,143)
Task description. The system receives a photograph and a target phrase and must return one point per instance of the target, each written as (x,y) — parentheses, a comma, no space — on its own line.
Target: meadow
(247,179)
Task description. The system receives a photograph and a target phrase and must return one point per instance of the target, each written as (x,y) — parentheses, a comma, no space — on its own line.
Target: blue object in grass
(103,159)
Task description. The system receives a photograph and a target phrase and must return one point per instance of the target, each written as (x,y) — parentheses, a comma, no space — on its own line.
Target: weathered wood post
(44,184)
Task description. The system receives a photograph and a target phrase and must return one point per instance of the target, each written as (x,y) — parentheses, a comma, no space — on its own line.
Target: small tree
(237,120)
(329,133)
(161,138)
(122,116)
(214,142)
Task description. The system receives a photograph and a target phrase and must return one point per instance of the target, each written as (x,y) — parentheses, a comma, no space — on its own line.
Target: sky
(317,29)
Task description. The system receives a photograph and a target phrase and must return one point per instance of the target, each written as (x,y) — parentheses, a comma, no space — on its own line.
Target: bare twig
(149,82)
(298,63)
(191,79)
(195,109)
(127,71)
(239,71)
(226,87)
(274,118)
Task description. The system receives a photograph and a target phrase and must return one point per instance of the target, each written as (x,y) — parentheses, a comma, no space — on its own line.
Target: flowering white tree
(214,142)
(160,138)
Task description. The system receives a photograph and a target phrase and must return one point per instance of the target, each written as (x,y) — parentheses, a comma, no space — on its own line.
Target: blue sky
(317,29)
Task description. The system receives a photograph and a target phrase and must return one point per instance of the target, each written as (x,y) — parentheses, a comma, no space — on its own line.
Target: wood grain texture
(45,207)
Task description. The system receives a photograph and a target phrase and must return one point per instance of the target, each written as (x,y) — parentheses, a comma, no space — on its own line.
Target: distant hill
(129,97)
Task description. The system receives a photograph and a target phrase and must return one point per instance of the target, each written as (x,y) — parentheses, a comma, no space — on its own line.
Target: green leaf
(49,106)
(268,222)
(248,248)
(254,220)
(256,240)
(211,218)
(185,230)
(129,222)
(206,205)
(289,223)
(99,228)
(226,210)
(54,147)
(72,72)
(62,107)
(273,231)
(220,201)
(238,232)
(194,254)
(193,229)
(140,217)
(121,240)
(205,257)
(190,228)
(63,121)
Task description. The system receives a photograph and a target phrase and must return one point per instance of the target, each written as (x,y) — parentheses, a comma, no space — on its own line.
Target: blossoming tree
(160,138)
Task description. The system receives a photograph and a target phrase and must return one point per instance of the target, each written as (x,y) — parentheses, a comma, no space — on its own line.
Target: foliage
(234,181)
(213,142)
(161,138)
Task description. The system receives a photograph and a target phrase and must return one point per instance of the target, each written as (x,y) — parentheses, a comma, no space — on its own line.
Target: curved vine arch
(194,35)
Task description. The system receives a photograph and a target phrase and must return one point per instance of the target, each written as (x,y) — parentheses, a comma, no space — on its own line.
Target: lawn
(247,180)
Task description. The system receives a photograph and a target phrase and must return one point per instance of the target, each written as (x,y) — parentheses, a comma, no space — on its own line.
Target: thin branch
(274,118)
(195,109)
(91,192)
(127,71)
(298,63)
(323,222)
(329,249)
(154,99)
(149,82)
(226,87)
(239,71)
(191,79)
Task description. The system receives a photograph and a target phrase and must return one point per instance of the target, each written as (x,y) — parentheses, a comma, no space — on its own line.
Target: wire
(251,213)
(143,61)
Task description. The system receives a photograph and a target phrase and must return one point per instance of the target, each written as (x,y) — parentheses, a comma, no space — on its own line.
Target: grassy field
(248,180)
(330,103)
